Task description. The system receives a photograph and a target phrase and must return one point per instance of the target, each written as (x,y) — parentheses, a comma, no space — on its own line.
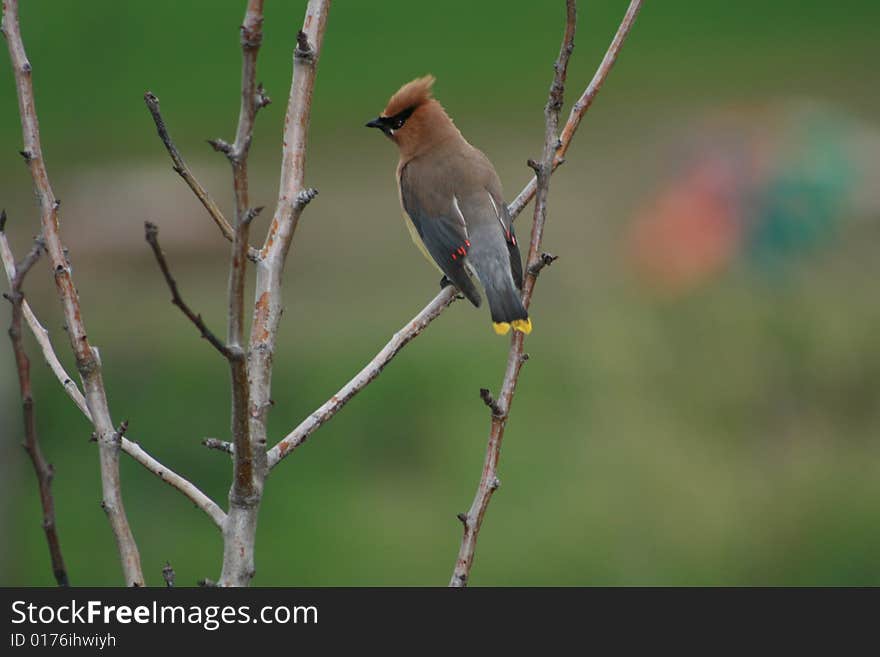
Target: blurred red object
(691,230)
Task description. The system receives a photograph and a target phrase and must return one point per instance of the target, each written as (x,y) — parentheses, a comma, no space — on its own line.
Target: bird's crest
(410,95)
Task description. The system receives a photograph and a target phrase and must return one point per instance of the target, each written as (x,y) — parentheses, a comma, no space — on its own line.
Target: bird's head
(413,119)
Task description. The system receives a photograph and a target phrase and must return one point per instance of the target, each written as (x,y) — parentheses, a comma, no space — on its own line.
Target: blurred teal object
(806,197)
(760,187)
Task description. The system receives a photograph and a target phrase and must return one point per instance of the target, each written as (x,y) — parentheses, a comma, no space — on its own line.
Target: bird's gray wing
(441,226)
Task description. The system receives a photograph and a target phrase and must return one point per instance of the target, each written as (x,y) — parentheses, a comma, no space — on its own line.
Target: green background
(726,436)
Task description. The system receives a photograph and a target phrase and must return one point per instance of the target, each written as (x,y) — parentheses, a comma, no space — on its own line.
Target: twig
(579,109)
(183,170)
(251,101)
(88,363)
(219,445)
(130,447)
(168,575)
(151,234)
(44,471)
(544,260)
(398,341)
(489,401)
(293,439)
(501,408)
(170,477)
(293,196)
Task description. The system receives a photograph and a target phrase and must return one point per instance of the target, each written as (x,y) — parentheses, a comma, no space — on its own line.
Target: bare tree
(250,360)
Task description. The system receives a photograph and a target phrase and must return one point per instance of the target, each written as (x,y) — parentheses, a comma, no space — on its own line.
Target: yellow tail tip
(521,325)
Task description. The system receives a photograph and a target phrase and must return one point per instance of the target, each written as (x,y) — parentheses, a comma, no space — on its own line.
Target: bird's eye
(396,122)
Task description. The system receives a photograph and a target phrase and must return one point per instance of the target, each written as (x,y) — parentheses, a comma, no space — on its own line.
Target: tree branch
(42,336)
(473,519)
(243,460)
(579,109)
(183,170)
(130,447)
(176,481)
(240,531)
(151,234)
(88,362)
(251,101)
(43,470)
(362,379)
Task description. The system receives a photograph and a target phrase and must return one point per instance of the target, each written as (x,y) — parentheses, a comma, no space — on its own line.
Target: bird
(453,204)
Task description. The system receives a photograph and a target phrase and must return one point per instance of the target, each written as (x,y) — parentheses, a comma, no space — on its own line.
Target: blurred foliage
(725,437)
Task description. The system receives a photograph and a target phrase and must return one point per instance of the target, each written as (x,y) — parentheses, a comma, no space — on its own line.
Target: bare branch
(398,341)
(245,489)
(579,109)
(130,447)
(501,408)
(243,464)
(183,170)
(239,535)
(88,363)
(251,38)
(251,99)
(43,470)
(170,477)
(151,233)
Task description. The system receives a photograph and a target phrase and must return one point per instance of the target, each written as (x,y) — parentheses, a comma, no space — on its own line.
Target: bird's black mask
(388,124)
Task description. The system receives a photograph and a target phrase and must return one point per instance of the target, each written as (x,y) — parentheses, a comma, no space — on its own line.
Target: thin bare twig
(219,445)
(489,401)
(240,531)
(473,519)
(407,333)
(168,575)
(362,379)
(87,360)
(176,481)
(130,447)
(183,170)
(233,353)
(579,109)
(42,336)
(151,234)
(252,99)
(44,471)
(545,260)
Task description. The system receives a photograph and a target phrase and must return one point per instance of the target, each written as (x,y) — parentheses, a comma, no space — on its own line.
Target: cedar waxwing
(452,196)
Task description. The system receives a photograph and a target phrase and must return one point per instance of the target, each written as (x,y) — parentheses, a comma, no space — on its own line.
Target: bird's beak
(375,123)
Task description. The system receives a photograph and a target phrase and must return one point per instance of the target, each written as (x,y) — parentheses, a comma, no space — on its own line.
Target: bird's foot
(445,282)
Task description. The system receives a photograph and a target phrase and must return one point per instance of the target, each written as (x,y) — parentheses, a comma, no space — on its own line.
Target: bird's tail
(507,309)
